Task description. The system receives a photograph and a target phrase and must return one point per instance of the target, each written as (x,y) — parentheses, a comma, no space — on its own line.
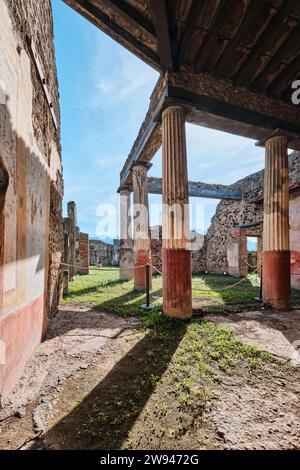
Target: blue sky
(104,94)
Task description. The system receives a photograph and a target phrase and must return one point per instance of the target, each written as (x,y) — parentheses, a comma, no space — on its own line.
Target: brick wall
(101,253)
(84,253)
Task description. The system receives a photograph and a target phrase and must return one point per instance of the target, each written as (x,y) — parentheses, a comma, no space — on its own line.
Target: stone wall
(30,205)
(295,238)
(235,220)
(101,253)
(73,235)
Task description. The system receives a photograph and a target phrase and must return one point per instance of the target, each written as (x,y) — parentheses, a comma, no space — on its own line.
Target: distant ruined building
(102,253)
(76,258)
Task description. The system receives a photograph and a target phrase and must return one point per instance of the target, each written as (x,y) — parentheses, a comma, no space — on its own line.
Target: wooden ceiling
(251,42)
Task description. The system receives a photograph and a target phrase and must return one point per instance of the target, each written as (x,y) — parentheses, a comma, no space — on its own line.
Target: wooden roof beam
(212,35)
(193,17)
(266,39)
(292,43)
(96,16)
(251,14)
(126,11)
(161,24)
(285,78)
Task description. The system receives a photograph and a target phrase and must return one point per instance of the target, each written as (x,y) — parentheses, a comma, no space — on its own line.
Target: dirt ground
(86,388)
(258,416)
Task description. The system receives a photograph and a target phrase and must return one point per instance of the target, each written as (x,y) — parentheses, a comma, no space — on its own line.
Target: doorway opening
(254,254)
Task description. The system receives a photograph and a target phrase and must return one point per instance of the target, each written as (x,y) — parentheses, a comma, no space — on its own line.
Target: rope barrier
(160,273)
(215,290)
(227,287)
(155,269)
(95,268)
(250,265)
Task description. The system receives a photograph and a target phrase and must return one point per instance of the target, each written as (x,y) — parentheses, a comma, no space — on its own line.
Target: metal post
(147,305)
(148,285)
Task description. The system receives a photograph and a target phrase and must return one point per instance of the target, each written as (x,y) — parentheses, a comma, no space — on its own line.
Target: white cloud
(119,76)
(219,157)
(105,162)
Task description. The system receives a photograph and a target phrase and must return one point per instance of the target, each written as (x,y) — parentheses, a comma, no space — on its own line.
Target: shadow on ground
(105,417)
(128,304)
(92,289)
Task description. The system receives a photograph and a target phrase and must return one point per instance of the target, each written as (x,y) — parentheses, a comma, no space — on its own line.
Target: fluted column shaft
(177,272)
(276,245)
(142,250)
(126,251)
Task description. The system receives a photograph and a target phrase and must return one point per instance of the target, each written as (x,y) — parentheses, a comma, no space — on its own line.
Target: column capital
(277,134)
(140,164)
(124,189)
(174,110)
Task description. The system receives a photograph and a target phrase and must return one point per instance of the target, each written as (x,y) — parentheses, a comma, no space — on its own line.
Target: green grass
(104,291)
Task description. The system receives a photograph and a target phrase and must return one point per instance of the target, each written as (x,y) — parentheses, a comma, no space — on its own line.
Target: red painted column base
(141,258)
(277,279)
(177,283)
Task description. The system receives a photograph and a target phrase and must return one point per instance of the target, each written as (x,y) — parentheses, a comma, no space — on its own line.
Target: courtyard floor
(111,377)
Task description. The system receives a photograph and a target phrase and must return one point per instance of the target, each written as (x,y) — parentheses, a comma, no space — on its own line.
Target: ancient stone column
(177,270)
(84,254)
(126,252)
(142,250)
(276,245)
(72,215)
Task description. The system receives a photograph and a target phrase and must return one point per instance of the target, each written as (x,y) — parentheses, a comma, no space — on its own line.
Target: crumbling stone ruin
(76,258)
(31,183)
(101,253)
